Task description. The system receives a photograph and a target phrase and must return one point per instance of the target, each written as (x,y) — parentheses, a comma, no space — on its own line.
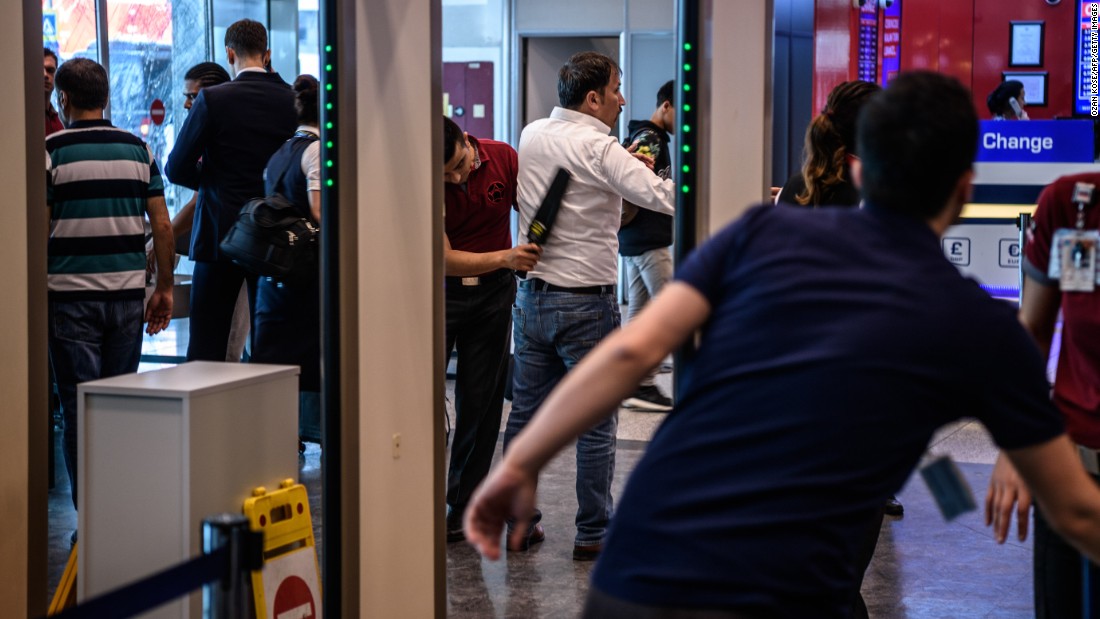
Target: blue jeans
(553,331)
(646,274)
(90,340)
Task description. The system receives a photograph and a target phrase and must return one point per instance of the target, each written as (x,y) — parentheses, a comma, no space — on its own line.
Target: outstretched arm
(589,393)
(462,263)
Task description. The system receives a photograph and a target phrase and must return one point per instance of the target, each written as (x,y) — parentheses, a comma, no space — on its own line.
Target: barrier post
(228,597)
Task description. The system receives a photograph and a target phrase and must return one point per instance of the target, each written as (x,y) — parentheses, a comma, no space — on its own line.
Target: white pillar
(23,413)
(735,109)
(391,209)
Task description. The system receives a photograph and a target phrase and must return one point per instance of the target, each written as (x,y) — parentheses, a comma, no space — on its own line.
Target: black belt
(479,280)
(538,284)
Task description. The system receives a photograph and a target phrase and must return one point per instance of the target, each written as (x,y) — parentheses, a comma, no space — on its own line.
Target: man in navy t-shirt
(833,345)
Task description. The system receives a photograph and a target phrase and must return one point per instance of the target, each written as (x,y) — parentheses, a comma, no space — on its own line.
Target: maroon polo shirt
(1077,383)
(53,121)
(478,213)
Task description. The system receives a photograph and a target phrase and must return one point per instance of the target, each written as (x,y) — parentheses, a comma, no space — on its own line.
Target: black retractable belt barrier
(237,551)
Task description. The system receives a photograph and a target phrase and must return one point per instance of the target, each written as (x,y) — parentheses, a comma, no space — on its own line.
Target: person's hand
(508,492)
(641,153)
(1006,490)
(158,312)
(523,257)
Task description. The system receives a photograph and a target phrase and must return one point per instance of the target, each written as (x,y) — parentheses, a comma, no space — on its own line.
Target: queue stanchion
(228,597)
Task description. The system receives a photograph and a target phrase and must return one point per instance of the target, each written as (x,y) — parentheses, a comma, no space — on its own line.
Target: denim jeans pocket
(75,321)
(579,332)
(519,318)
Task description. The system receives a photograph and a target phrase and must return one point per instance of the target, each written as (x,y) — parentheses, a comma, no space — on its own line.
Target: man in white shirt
(567,303)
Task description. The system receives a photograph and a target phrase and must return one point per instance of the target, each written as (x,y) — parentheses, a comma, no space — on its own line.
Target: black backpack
(272,239)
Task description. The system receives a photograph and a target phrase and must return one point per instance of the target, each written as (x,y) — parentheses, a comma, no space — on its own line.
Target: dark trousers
(1058,574)
(600,605)
(214,290)
(90,340)
(479,327)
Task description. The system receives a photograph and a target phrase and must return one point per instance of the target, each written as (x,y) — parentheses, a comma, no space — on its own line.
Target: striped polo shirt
(98,179)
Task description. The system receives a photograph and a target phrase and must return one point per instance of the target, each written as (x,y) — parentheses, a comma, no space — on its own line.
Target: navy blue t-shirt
(838,341)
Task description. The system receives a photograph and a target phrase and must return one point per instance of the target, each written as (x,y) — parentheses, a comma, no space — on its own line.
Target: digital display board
(1085,86)
(868,42)
(891,43)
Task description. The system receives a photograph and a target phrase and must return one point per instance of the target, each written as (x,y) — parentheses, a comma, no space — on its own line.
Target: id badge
(948,487)
(1073,259)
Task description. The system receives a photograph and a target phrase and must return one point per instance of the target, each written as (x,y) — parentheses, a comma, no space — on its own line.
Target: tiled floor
(924,567)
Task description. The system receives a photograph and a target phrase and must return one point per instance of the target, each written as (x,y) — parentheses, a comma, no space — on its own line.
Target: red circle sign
(293,600)
(156,111)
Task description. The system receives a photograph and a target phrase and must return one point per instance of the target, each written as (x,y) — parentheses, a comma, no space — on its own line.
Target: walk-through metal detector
(331,480)
(687,132)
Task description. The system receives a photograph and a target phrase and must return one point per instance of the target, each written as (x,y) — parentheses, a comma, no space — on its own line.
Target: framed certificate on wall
(1035,85)
(1025,44)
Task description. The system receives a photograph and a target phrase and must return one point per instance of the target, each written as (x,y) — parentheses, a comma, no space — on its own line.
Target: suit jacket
(223,147)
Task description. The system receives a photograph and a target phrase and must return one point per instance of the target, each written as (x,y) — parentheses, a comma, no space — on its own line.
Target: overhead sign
(1036,141)
(49,28)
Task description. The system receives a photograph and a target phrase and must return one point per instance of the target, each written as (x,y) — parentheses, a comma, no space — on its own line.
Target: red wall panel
(991,41)
(956,57)
(920,35)
(835,53)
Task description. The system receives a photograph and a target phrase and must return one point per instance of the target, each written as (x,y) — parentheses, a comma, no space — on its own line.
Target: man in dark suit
(222,150)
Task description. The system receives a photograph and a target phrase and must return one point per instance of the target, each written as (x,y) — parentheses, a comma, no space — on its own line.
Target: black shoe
(455,535)
(586,553)
(649,398)
(535,534)
(893,507)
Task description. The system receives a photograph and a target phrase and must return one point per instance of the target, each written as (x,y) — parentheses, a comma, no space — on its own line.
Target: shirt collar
(562,113)
(81,124)
(482,156)
(250,70)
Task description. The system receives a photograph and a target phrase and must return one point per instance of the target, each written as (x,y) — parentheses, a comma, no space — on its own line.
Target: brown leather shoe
(535,534)
(587,553)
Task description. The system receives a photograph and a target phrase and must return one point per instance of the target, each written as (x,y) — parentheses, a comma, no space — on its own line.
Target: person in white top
(567,303)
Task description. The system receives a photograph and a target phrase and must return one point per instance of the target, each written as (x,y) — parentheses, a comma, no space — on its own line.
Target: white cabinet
(160,451)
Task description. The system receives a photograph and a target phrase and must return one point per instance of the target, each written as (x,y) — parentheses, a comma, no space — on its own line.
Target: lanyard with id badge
(1073,250)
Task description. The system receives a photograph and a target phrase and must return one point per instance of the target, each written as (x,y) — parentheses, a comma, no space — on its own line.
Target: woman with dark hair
(1007,101)
(287,321)
(825,178)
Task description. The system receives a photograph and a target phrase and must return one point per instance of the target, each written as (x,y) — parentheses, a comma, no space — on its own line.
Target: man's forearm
(465,263)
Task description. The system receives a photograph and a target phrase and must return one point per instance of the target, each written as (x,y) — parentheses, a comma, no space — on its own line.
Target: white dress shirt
(583,246)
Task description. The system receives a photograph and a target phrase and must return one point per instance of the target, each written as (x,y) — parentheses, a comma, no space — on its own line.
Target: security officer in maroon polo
(480,190)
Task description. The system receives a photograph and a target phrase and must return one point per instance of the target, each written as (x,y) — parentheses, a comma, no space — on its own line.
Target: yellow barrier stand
(65,596)
(289,585)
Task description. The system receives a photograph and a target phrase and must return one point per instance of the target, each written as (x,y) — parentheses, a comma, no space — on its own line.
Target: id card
(948,487)
(1073,259)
